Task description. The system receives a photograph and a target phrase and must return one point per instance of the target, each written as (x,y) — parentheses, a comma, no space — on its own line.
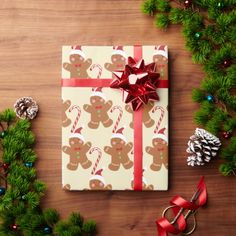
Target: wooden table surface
(32,33)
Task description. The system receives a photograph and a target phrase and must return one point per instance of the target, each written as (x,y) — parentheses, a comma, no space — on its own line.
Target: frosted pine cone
(202,146)
(26,108)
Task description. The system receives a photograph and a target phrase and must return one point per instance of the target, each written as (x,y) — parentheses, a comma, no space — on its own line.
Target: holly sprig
(209,28)
(21,191)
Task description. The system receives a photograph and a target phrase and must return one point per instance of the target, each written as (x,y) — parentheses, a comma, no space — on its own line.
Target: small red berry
(227,134)
(5,166)
(187,3)
(14,227)
(227,63)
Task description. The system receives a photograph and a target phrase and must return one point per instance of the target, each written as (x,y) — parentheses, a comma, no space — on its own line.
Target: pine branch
(20,211)
(209,28)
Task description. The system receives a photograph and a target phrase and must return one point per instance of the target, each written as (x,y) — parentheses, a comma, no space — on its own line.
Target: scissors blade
(196,195)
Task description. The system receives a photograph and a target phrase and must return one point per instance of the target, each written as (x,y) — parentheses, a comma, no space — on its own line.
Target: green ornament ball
(47,230)
(220,5)
(29,164)
(2,191)
(2,134)
(210,98)
(197,35)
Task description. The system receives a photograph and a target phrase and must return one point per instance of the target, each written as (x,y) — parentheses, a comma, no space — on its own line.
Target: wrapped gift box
(102,148)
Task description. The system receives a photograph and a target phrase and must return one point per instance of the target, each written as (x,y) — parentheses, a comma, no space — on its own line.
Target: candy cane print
(99,70)
(75,107)
(118,118)
(161,117)
(98,158)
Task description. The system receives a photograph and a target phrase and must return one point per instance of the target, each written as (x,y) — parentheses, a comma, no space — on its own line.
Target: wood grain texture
(32,33)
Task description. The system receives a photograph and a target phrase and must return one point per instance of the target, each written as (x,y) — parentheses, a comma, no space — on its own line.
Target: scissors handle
(176,217)
(186,216)
(194,222)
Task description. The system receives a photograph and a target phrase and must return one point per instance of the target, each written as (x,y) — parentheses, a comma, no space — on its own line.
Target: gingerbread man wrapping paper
(98,126)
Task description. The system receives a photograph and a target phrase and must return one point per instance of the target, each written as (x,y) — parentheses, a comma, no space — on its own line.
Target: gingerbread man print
(67,187)
(65,106)
(97,182)
(119,151)
(78,66)
(98,108)
(160,57)
(146,118)
(118,59)
(159,150)
(145,185)
(77,151)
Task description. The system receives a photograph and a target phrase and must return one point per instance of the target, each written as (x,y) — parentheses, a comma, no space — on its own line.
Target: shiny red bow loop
(139,81)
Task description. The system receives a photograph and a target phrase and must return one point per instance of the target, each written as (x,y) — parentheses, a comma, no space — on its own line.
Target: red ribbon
(164,226)
(138,150)
(99,83)
(138,144)
(138,137)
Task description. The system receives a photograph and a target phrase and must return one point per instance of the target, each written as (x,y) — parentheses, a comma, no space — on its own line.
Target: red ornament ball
(187,3)
(5,166)
(227,63)
(14,227)
(227,134)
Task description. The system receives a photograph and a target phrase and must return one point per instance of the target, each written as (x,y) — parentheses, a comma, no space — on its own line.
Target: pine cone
(26,108)
(202,146)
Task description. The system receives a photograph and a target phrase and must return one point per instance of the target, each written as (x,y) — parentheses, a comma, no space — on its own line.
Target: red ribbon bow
(164,226)
(139,81)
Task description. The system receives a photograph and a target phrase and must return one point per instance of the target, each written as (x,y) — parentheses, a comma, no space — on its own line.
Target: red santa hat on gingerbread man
(77,134)
(161,134)
(119,134)
(98,92)
(118,50)
(98,176)
(77,50)
(161,50)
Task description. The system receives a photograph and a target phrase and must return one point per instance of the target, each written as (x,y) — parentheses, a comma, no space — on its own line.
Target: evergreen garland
(209,28)
(20,191)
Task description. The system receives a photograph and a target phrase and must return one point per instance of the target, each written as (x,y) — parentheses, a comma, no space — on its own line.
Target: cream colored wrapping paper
(97,127)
